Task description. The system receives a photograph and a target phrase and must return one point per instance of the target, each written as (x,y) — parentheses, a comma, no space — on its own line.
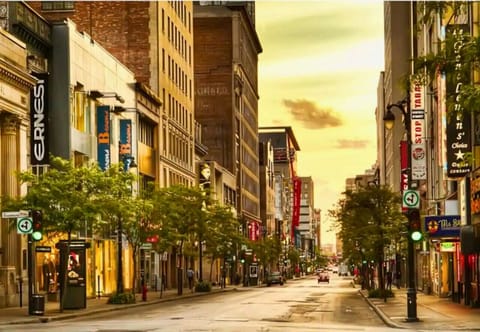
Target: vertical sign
(458,124)
(103,136)
(297,190)
(125,144)
(417,118)
(404,185)
(39,121)
(441,121)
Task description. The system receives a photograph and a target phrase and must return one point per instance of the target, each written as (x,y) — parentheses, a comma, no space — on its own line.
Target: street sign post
(411,199)
(14,214)
(24,225)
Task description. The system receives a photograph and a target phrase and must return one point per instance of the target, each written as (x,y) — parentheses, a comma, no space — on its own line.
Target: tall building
(16,84)
(398,52)
(267,189)
(285,148)
(154,39)
(226,48)
(306,225)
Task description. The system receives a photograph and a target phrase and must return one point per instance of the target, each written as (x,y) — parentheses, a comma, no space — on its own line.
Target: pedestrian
(190,278)
(398,278)
(389,280)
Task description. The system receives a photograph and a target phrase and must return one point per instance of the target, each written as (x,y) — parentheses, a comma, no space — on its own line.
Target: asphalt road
(299,305)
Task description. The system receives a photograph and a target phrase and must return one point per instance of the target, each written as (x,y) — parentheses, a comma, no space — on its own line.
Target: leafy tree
(451,57)
(268,251)
(179,210)
(221,232)
(117,206)
(368,219)
(66,196)
(140,225)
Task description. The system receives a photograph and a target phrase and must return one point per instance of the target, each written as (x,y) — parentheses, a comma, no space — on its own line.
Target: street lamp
(389,119)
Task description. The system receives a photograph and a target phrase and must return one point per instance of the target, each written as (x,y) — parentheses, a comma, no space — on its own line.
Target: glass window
(58,5)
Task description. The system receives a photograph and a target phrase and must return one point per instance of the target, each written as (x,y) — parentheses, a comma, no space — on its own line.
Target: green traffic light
(416,236)
(37,236)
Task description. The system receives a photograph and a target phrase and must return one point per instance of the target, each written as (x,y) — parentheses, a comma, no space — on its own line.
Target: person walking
(389,280)
(190,274)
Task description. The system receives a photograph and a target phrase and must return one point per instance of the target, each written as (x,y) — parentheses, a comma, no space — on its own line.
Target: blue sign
(103,137)
(442,226)
(125,144)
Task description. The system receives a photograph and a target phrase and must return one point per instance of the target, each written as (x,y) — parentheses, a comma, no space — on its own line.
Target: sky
(318,73)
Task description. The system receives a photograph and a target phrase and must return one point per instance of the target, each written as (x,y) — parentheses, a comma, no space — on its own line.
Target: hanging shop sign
(458,124)
(443,226)
(418,132)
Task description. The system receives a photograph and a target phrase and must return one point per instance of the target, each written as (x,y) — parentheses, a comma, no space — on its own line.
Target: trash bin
(37,305)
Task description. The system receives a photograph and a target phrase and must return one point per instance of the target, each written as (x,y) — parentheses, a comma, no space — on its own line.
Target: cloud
(352,144)
(307,113)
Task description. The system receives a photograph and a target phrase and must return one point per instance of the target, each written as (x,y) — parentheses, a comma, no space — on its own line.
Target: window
(79,112)
(58,5)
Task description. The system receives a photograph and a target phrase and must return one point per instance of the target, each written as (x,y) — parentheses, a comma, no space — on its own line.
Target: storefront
(444,240)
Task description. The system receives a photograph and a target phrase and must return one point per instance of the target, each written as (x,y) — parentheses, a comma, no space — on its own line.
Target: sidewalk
(19,315)
(434,313)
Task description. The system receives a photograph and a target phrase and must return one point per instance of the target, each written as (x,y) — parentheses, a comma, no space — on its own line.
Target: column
(9,183)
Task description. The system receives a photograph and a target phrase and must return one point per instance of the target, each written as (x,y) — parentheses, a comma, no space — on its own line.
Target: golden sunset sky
(318,73)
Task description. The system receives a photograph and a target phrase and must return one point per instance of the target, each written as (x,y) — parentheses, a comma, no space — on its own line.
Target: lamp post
(129,161)
(389,119)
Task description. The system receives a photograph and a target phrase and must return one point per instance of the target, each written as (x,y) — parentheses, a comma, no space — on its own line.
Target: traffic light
(242,256)
(37,233)
(414,225)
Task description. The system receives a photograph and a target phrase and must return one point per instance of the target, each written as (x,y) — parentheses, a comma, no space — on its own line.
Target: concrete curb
(380,313)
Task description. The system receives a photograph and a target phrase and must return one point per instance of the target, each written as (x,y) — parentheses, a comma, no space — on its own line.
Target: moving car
(275,278)
(323,277)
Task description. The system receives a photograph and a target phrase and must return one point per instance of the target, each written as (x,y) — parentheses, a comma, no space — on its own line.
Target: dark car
(275,278)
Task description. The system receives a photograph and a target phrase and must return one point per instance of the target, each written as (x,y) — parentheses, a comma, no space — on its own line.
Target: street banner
(418,132)
(103,137)
(125,146)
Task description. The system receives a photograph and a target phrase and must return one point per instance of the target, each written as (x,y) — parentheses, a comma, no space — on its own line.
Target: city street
(298,305)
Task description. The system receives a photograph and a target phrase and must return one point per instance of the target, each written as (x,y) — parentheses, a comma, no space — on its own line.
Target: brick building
(226,48)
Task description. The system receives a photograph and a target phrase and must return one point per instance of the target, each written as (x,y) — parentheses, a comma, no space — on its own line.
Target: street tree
(139,226)
(221,233)
(367,220)
(66,196)
(117,208)
(179,210)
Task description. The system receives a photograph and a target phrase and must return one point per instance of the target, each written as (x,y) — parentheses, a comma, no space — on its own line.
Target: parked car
(275,278)
(323,277)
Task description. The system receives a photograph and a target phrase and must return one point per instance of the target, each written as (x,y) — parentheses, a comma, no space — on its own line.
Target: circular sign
(411,199)
(24,225)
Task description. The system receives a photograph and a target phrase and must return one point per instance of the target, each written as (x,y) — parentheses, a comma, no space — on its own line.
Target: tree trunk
(212,262)
(135,263)
(180,270)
